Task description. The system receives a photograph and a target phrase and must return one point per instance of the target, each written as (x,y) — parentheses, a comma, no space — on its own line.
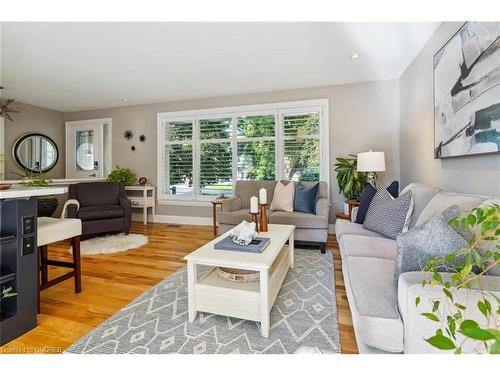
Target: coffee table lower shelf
(251,301)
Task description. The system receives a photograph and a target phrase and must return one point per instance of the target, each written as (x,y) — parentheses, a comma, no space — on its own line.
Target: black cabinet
(18,268)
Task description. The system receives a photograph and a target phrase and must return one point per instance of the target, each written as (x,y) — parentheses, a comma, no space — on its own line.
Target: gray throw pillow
(434,238)
(387,215)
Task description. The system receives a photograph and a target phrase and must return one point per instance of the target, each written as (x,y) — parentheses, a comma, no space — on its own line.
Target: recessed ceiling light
(355,56)
(125,99)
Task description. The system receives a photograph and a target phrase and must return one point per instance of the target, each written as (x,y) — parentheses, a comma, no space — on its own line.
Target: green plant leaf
(435,306)
(431,316)
(495,348)
(417,301)
(448,293)
(482,307)
(477,333)
(468,324)
(441,342)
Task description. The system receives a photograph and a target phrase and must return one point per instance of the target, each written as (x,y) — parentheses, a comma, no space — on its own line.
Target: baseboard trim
(174,219)
(190,220)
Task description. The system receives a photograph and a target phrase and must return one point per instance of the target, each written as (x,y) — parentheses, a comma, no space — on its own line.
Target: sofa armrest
(126,204)
(354,214)
(231,204)
(322,207)
(418,327)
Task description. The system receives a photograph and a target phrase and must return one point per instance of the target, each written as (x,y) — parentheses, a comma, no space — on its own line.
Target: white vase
(346,208)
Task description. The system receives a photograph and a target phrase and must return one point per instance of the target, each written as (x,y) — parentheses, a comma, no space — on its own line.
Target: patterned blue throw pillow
(387,215)
(305,198)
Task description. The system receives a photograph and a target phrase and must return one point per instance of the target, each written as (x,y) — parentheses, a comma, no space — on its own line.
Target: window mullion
(234,149)
(196,157)
(279,144)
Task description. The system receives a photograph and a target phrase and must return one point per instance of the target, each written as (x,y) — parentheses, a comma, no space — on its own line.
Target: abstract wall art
(467,92)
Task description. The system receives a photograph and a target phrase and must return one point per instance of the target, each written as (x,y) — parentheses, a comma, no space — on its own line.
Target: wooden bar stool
(50,230)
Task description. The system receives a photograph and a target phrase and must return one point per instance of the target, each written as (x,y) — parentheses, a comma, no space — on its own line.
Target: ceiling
(79,66)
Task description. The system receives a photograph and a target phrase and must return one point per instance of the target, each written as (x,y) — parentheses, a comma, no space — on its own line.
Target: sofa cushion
(366,198)
(305,198)
(434,238)
(374,303)
(234,217)
(343,227)
(443,200)
(96,193)
(364,246)
(283,197)
(100,212)
(422,195)
(387,215)
(299,219)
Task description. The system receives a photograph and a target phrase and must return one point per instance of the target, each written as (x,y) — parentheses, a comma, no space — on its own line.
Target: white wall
(472,174)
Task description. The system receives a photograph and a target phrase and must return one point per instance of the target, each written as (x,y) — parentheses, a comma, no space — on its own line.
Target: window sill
(185,202)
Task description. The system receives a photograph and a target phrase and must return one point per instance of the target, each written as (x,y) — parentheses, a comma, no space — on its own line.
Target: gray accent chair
(384,314)
(310,229)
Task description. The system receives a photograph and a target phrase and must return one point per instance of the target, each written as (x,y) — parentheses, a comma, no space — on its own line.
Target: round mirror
(35,152)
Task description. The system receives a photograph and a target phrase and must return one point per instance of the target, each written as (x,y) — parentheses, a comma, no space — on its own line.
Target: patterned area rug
(303,319)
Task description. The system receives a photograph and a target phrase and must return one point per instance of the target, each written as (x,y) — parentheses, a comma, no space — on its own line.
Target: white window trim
(278,109)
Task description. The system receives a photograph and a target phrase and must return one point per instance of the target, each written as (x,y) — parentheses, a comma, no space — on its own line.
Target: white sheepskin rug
(115,243)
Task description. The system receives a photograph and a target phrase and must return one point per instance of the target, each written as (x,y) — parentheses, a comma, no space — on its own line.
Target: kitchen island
(18,258)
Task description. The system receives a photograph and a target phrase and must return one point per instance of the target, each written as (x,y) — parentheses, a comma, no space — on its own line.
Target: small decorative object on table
(254,211)
(243,233)
(263,212)
(5,186)
(142,180)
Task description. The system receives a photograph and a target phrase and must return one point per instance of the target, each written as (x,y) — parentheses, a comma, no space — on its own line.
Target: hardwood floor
(111,281)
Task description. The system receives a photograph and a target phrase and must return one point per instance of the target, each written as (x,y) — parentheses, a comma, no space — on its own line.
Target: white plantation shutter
(256,147)
(301,152)
(178,158)
(216,157)
(204,152)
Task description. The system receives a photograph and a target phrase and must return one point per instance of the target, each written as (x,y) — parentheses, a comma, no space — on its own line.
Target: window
(202,153)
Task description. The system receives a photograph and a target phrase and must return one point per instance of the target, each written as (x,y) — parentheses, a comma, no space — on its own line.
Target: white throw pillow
(283,197)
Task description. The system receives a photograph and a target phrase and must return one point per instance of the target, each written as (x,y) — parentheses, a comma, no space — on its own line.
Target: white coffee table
(252,301)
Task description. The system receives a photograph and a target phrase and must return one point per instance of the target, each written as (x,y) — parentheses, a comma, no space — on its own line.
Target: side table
(144,200)
(352,203)
(215,203)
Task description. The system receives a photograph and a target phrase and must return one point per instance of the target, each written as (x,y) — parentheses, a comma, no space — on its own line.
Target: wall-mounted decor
(128,134)
(5,110)
(467,92)
(36,153)
(132,148)
(142,138)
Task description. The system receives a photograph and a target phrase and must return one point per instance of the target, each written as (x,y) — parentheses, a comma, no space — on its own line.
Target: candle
(263,196)
(254,205)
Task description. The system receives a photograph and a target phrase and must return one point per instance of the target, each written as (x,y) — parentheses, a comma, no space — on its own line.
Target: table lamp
(371,162)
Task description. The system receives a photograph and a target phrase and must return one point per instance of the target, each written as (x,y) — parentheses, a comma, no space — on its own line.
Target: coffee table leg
(264,302)
(192,278)
(291,249)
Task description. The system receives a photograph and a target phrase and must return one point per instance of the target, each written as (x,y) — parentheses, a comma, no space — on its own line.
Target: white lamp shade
(371,161)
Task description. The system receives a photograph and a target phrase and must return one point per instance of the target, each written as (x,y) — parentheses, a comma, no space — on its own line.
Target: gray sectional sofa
(384,314)
(310,229)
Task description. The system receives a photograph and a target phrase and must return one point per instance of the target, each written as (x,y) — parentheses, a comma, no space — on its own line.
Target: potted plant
(350,181)
(122,175)
(47,205)
(466,268)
